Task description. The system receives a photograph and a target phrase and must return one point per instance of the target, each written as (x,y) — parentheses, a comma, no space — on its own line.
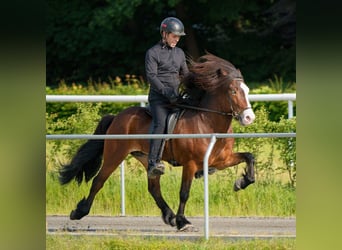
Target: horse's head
(223,82)
(239,102)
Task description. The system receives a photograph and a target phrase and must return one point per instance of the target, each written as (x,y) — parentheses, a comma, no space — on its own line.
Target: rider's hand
(170,94)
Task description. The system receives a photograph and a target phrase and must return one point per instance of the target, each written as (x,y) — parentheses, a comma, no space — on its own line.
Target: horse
(216,94)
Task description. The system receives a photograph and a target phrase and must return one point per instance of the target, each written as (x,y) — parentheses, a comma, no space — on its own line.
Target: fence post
(122,190)
(290,109)
(206,188)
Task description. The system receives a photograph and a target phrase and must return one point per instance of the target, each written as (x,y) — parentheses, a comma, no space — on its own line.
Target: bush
(133,86)
(276,109)
(129,86)
(83,121)
(287,147)
(273,156)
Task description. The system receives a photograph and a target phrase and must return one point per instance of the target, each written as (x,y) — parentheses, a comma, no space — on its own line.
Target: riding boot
(155,166)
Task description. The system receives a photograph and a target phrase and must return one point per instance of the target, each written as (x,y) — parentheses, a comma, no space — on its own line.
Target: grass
(150,243)
(260,199)
(263,198)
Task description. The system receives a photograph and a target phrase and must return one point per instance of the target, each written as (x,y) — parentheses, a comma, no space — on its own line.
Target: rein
(233,114)
(206,110)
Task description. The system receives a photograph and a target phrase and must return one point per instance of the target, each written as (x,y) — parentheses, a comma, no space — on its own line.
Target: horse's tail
(88,157)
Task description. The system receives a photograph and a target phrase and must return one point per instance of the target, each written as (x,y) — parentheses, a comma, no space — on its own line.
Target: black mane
(206,75)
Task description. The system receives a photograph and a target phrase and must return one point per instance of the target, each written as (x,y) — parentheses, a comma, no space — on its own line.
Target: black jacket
(163,66)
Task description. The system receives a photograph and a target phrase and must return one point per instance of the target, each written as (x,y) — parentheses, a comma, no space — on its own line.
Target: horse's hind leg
(248,177)
(112,158)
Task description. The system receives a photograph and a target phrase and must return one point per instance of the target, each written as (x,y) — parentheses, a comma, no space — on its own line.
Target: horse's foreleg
(248,177)
(154,188)
(168,215)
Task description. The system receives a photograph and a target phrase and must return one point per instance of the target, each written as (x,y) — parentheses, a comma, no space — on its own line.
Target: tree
(102,38)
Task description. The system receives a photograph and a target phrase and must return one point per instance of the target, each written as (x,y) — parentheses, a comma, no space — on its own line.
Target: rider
(164,64)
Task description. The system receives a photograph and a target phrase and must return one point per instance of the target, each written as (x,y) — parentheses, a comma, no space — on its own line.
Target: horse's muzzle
(247,117)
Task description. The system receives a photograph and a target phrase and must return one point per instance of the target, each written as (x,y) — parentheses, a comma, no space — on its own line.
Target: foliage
(275,166)
(266,150)
(287,147)
(130,85)
(275,156)
(277,86)
(83,121)
(102,39)
(271,198)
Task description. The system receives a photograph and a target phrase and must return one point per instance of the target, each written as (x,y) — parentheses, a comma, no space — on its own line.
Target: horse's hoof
(242,183)
(188,228)
(170,220)
(75,215)
(173,222)
(155,171)
(237,185)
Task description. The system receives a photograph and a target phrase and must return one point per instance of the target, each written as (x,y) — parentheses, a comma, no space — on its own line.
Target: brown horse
(217,93)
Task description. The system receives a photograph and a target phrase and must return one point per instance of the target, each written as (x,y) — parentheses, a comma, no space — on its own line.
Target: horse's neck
(215,122)
(215,102)
(218,123)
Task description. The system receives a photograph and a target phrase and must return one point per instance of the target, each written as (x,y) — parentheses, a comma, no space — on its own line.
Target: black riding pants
(160,109)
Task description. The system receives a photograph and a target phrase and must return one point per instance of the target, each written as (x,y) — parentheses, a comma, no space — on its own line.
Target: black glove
(170,94)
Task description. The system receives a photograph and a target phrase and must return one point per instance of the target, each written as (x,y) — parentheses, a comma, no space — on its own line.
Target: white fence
(142,99)
(213,137)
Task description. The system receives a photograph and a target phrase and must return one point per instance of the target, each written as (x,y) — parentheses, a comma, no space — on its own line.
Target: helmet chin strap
(164,39)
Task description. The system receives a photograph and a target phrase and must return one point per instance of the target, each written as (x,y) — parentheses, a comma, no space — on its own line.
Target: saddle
(172,119)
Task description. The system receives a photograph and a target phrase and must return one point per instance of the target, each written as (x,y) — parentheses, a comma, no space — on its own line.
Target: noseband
(237,115)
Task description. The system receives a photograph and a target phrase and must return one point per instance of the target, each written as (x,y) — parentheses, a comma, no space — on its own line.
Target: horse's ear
(221,72)
(239,73)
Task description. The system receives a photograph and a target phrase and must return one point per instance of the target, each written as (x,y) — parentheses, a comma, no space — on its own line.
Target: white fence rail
(142,100)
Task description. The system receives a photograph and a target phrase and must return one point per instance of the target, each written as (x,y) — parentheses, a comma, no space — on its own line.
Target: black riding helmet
(172,25)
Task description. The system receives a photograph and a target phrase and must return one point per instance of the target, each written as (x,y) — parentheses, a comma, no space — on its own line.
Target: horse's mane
(207,74)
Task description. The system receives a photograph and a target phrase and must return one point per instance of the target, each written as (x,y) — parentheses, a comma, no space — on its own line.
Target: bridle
(206,110)
(234,114)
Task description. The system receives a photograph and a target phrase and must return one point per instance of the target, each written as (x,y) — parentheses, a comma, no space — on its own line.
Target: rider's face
(171,39)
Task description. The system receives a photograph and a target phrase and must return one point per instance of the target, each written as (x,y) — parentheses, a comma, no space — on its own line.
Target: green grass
(263,198)
(141,243)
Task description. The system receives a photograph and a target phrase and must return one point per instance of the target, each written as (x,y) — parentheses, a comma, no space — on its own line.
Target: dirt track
(226,227)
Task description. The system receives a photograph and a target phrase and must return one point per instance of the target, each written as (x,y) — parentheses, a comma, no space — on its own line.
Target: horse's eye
(233,92)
